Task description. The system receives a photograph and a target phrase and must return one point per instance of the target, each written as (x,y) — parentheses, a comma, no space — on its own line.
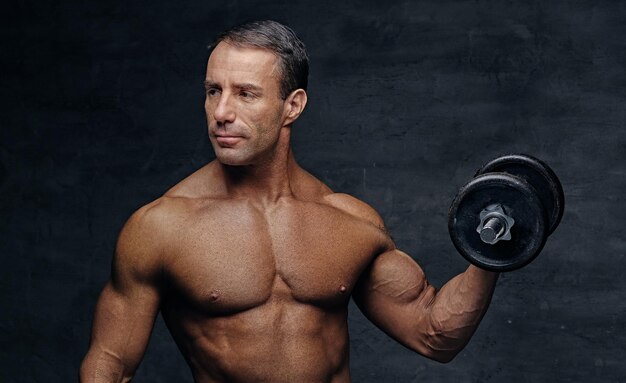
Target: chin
(232,159)
(231,162)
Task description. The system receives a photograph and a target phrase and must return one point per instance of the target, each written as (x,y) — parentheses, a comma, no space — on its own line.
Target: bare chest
(240,257)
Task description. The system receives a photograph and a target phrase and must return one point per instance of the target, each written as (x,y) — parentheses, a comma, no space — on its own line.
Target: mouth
(227,141)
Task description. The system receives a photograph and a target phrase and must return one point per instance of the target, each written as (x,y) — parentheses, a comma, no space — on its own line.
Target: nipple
(215,295)
(342,289)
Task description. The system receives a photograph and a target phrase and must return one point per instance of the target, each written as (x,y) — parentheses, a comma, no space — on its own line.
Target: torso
(260,293)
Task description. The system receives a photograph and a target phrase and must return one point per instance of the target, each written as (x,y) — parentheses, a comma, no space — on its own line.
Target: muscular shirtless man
(252,261)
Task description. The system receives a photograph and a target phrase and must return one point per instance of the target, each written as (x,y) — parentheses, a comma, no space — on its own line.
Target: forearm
(396,296)
(457,309)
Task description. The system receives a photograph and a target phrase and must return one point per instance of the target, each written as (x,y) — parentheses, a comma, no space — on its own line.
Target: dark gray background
(101,112)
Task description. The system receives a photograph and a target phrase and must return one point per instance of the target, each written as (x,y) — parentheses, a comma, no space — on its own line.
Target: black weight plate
(539,176)
(519,200)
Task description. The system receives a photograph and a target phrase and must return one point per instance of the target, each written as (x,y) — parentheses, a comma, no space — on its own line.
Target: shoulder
(356,208)
(202,183)
(141,239)
(153,225)
(146,223)
(371,222)
(146,240)
(151,231)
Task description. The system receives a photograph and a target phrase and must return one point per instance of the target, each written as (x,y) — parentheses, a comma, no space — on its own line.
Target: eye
(212,91)
(246,94)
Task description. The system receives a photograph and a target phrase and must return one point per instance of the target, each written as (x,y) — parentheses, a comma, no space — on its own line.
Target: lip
(227,141)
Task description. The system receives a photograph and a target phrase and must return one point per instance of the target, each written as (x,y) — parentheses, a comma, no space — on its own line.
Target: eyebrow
(245,86)
(248,86)
(210,84)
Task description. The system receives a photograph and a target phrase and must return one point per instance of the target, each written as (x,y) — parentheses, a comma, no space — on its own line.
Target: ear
(294,105)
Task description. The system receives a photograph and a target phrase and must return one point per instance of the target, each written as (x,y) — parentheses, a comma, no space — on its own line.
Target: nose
(223,111)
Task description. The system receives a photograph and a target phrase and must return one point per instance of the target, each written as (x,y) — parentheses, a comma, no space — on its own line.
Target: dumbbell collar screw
(495,225)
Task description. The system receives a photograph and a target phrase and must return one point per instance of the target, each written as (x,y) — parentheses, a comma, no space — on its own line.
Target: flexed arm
(127,306)
(395,295)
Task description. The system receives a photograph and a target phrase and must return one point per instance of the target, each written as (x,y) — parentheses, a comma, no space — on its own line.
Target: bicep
(395,295)
(123,320)
(122,324)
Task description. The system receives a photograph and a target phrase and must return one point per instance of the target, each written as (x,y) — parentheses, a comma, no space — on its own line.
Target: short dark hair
(279,39)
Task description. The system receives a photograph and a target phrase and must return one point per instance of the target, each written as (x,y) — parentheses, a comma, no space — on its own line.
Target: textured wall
(101,112)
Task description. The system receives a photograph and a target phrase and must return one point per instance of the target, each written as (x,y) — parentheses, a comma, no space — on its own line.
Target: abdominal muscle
(277,341)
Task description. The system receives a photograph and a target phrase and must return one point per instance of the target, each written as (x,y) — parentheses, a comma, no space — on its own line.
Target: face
(243,106)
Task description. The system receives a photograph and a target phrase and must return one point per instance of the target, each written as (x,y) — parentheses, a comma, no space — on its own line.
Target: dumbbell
(501,219)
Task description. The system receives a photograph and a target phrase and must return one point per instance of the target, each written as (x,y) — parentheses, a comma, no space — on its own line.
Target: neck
(266,181)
